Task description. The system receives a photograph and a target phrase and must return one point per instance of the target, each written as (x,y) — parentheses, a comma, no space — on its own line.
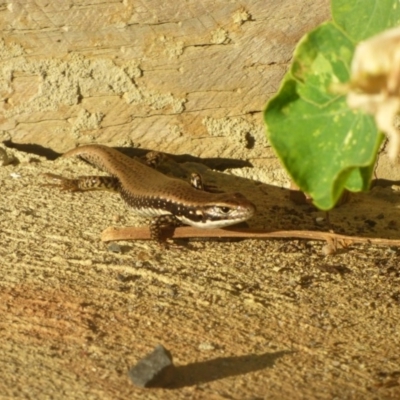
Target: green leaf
(325,146)
(322,147)
(322,58)
(362,19)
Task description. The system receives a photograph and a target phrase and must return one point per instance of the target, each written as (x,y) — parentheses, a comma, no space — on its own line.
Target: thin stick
(143,233)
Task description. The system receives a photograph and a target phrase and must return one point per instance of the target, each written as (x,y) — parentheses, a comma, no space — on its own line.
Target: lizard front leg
(197,182)
(162,226)
(153,159)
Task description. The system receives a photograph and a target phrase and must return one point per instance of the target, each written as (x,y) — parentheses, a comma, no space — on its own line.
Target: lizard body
(150,193)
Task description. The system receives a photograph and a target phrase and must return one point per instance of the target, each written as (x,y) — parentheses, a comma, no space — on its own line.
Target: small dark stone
(334,269)
(370,222)
(154,370)
(115,248)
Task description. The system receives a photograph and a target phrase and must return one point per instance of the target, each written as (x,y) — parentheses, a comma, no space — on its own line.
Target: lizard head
(223,210)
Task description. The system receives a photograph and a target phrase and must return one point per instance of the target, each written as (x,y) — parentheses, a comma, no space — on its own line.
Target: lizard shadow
(216,163)
(222,367)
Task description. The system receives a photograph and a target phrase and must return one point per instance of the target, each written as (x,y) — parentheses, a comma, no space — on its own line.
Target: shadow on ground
(223,367)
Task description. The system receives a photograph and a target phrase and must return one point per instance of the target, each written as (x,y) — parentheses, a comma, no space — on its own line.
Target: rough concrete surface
(183,78)
(243,319)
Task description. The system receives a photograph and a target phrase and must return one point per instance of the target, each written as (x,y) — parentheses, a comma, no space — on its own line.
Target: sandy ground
(243,319)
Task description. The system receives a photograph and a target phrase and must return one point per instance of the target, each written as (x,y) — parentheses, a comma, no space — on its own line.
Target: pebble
(115,248)
(4,158)
(154,370)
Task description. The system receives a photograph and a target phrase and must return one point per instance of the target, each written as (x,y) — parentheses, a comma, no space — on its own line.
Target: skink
(169,201)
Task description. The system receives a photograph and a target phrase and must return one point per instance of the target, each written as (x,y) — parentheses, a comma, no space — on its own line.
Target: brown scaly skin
(153,194)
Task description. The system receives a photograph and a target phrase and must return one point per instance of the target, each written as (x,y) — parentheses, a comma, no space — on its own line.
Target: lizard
(169,202)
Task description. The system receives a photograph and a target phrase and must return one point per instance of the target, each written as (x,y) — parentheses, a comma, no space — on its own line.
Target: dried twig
(143,233)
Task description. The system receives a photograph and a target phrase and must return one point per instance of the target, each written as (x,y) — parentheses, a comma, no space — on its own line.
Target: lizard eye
(225,210)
